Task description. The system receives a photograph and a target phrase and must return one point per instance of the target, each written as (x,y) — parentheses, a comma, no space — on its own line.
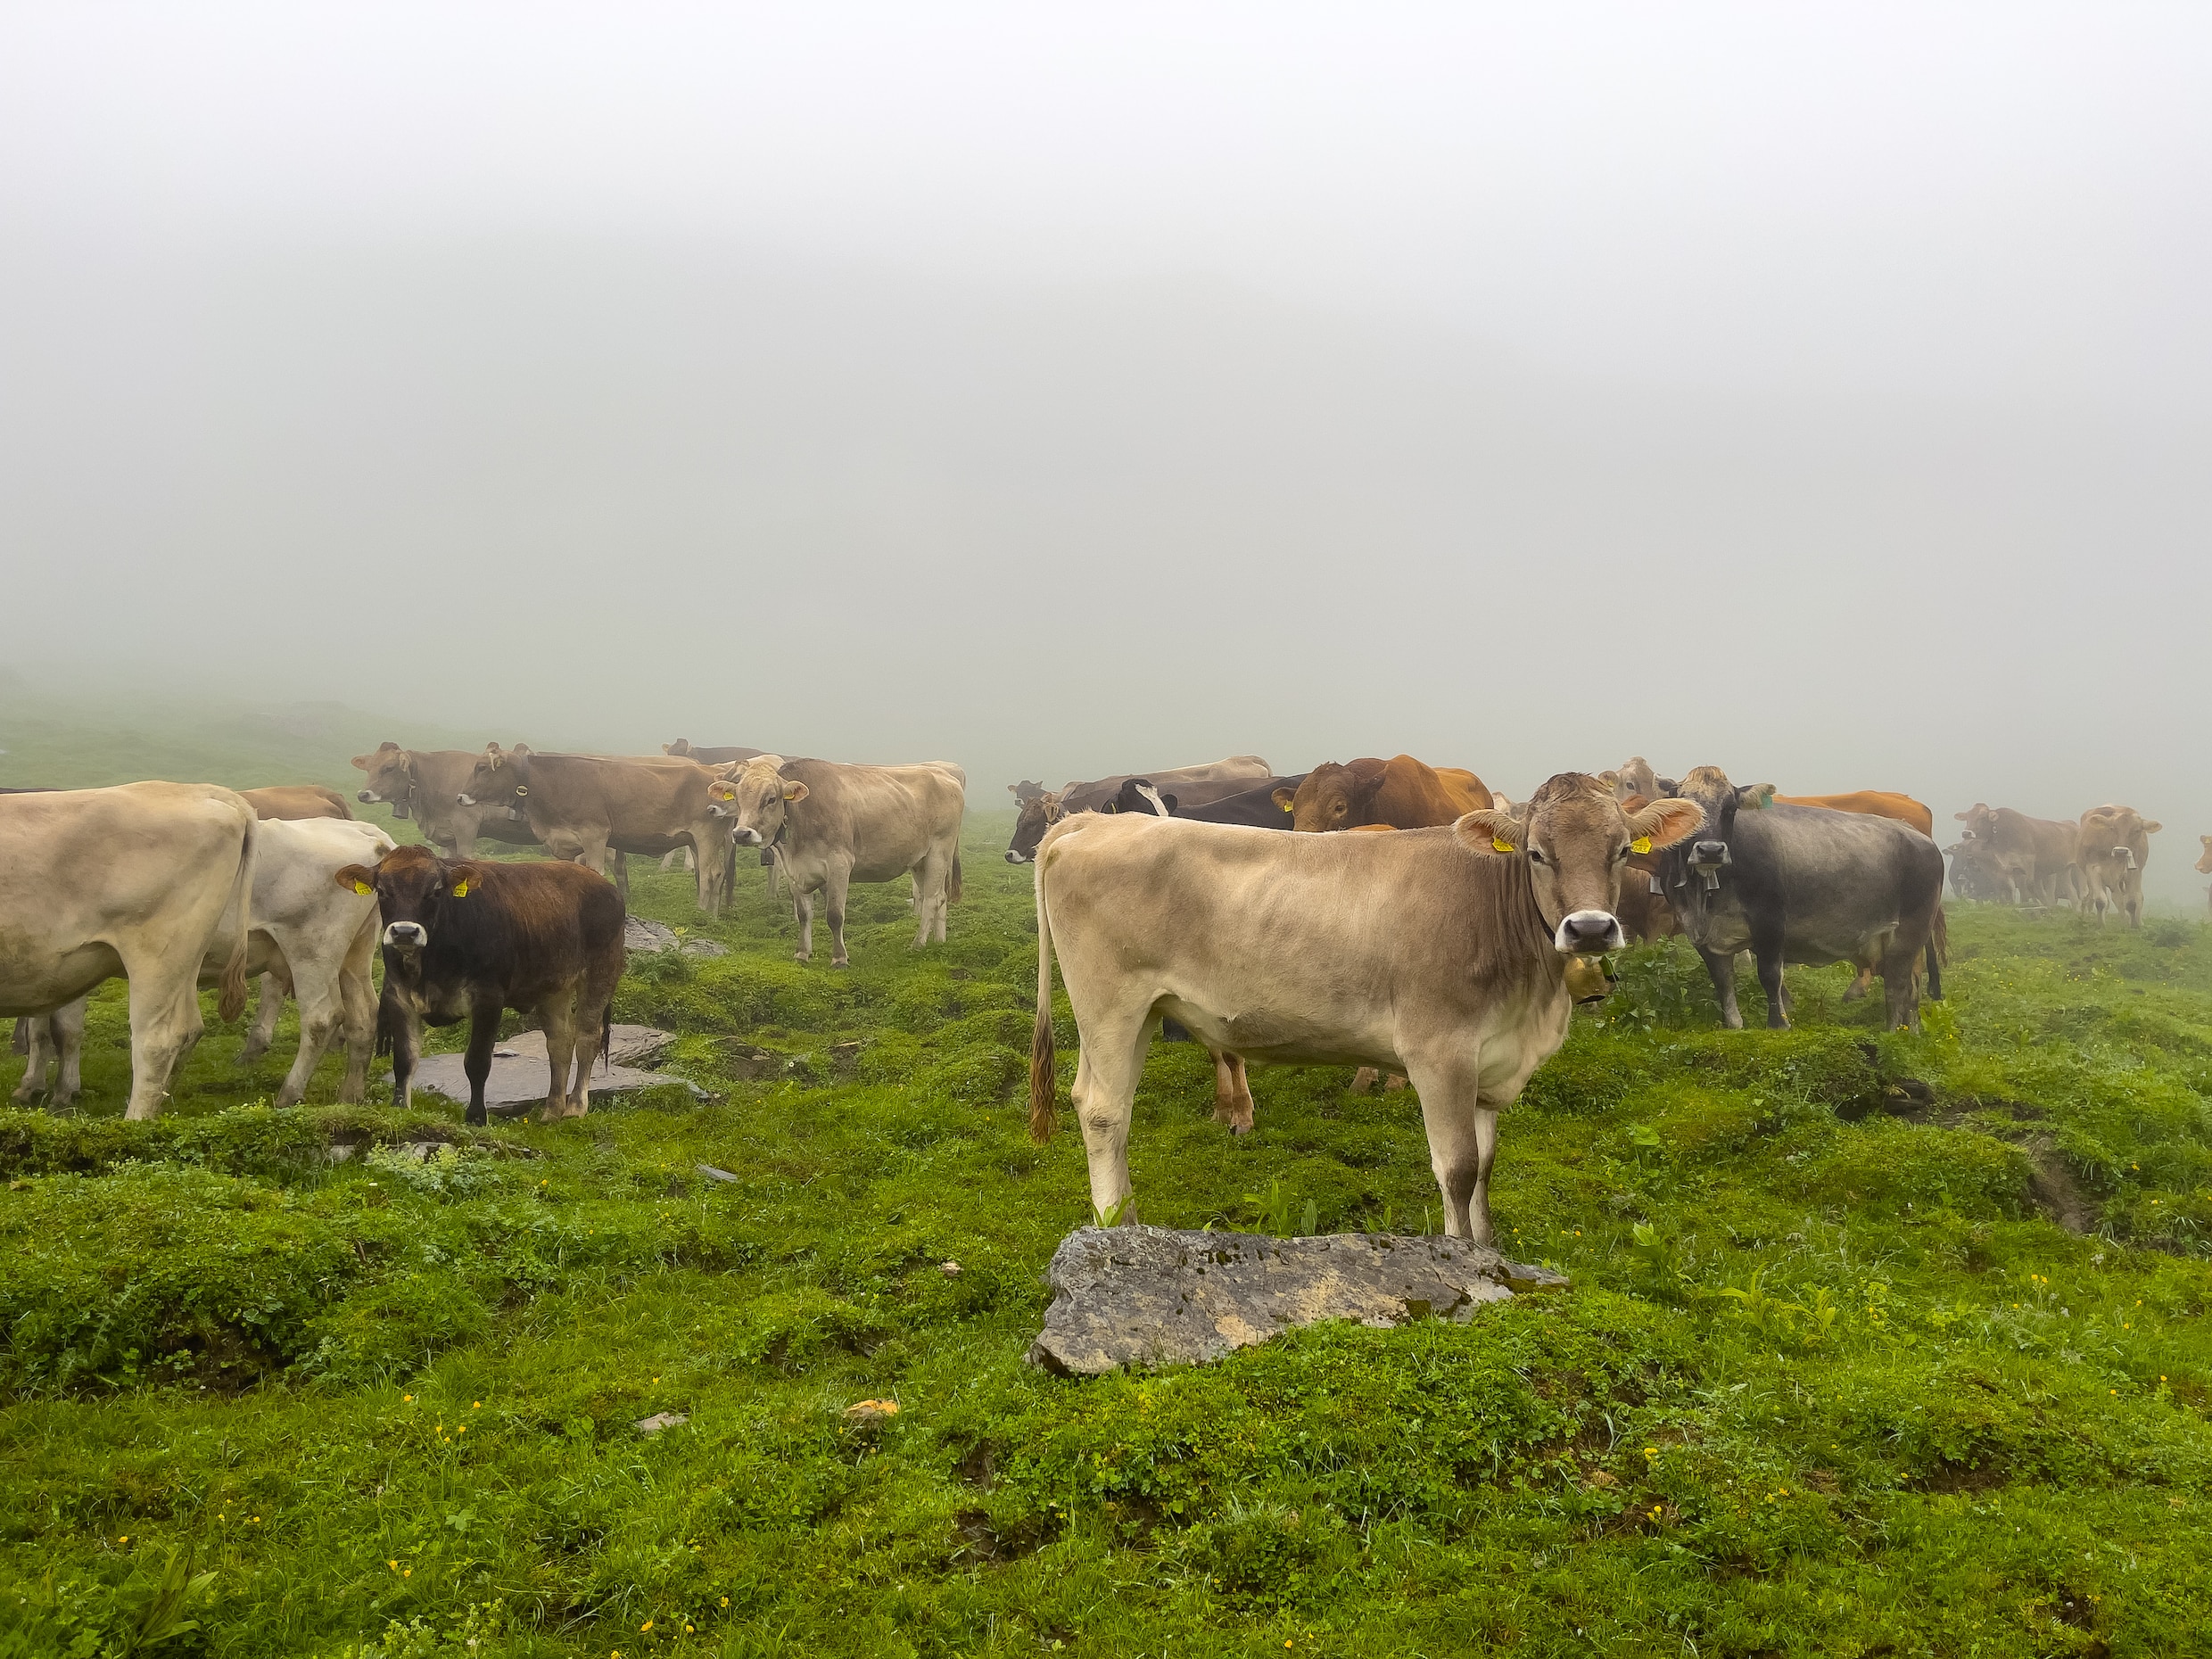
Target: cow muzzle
(745,838)
(1012,857)
(466,799)
(406,936)
(2124,856)
(1589,933)
(365,797)
(1709,859)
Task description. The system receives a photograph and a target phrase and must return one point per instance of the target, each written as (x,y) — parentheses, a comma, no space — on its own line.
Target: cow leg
(483,1036)
(833,902)
(1860,986)
(617,864)
(1721,965)
(1901,981)
(65,1028)
(322,1010)
(164,1024)
(558,1017)
(269,997)
(357,996)
(1462,1141)
(1232,1094)
(1108,1065)
(680,859)
(1770,982)
(929,877)
(802,912)
(30,1041)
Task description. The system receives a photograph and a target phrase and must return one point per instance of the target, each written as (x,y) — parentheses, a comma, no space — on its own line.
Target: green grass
(1832,1377)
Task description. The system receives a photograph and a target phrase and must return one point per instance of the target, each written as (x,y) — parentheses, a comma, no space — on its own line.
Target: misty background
(1821,394)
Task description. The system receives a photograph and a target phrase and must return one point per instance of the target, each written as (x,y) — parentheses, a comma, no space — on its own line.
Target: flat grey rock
(651,937)
(661,1420)
(1154,1296)
(521,1074)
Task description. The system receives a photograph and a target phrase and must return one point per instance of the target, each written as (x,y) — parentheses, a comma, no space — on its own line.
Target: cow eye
(1535,857)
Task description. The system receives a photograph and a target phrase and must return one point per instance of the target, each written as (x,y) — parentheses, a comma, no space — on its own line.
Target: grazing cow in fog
(1975,873)
(2113,847)
(590,807)
(468,940)
(833,824)
(684,747)
(2035,855)
(137,881)
(1046,807)
(1445,952)
(1402,792)
(1802,884)
(424,785)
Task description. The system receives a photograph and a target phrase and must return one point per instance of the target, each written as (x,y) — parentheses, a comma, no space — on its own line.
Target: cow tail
(952,892)
(238,909)
(1043,1077)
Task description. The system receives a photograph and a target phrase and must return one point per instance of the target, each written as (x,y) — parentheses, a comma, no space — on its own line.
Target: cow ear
(462,879)
(518,749)
(1491,831)
(2153,827)
(1168,801)
(359,878)
(1284,798)
(1755,796)
(1662,823)
(794,790)
(1014,789)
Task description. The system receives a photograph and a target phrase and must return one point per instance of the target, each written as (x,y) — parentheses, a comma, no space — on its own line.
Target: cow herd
(1383,913)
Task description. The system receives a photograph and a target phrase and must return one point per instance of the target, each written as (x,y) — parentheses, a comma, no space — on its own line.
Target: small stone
(867,1412)
(713,1174)
(661,1420)
(950,1269)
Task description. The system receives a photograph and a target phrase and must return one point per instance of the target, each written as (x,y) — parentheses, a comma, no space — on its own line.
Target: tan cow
(1444,953)
(833,824)
(134,880)
(2113,847)
(2204,859)
(424,785)
(589,807)
(295,801)
(1633,776)
(2033,856)
(1400,793)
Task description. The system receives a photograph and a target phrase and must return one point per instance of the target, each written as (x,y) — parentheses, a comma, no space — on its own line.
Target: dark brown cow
(1400,793)
(685,748)
(468,940)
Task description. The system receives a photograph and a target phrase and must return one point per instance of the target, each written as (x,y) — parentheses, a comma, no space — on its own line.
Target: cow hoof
(252,1052)
(1854,993)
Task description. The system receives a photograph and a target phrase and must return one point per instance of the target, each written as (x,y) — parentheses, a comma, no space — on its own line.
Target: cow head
(500,778)
(682,746)
(1333,797)
(1633,776)
(1576,840)
(2118,835)
(1038,813)
(756,794)
(390,777)
(413,886)
(1698,865)
(1980,820)
(1026,790)
(1137,795)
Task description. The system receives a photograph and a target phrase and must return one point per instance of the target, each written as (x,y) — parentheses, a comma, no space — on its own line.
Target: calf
(832,824)
(1445,952)
(465,940)
(2114,846)
(1402,792)
(1802,884)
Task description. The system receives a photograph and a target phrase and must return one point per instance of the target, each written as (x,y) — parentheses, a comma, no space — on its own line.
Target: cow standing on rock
(464,940)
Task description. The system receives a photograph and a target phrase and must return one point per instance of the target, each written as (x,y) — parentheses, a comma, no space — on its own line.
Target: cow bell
(2126,855)
(1590,979)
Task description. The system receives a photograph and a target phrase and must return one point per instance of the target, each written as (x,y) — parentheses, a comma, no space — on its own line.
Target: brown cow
(424,785)
(2035,856)
(1400,793)
(2114,846)
(1634,777)
(1871,803)
(589,807)
(296,802)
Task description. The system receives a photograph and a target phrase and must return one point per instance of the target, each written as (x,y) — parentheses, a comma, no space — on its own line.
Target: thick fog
(1820,392)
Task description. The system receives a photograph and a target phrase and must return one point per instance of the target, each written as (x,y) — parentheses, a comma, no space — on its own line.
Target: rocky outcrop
(1149,1296)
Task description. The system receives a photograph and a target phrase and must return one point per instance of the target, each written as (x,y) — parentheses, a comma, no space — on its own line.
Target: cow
(1445,952)
(1027,790)
(589,807)
(424,785)
(684,749)
(1976,874)
(465,939)
(309,941)
(2035,856)
(2204,860)
(1634,777)
(1871,803)
(832,824)
(2113,847)
(1400,793)
(295,801)
(1039,812)
(134,880)
(1806,884)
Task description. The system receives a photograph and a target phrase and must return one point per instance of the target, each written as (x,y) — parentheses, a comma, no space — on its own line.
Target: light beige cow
(833,824)
(1448,953)
(1633,776)
(2113,847)
(311,939)
(136,881)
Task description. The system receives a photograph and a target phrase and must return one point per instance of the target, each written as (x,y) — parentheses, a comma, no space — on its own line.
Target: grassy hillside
(1875,1345)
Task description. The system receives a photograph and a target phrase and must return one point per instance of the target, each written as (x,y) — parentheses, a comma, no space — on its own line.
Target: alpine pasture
(1875,1343)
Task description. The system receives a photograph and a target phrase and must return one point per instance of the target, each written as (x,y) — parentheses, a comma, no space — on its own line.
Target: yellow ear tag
(1500,844)
(461,888)
(1642,844)
(1286,809)
(363,887)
